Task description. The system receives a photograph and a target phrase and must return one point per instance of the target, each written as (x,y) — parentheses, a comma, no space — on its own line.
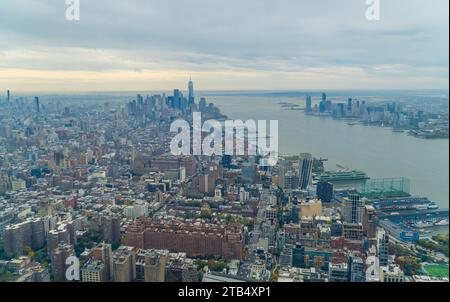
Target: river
(378,151)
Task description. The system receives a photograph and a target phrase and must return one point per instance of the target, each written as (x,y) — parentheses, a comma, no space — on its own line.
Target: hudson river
(379,152)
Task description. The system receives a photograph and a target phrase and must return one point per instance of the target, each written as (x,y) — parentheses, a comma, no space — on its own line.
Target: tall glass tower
(305,170)
(191,96)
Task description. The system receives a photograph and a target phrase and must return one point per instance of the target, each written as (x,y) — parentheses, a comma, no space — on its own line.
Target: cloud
(266,39)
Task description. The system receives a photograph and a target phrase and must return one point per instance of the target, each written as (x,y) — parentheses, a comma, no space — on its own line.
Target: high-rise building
(13,240)
(27,234)
(110,228)
(383,247)
(58,258)
(103,253)
(352,231)
(308,103)
(191,96)
(356,269)
(124,264)
(369,222)
(202,105)
(353,209)
(155,265)
(286,256)
(249,172)
(305,170)
(8,95)
(93,271)
(37,104)
(289,180)
(64,233)
(338,272)
(37,233)
(298,256)
(325,191)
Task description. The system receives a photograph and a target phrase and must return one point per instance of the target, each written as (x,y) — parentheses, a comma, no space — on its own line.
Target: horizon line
(293,90)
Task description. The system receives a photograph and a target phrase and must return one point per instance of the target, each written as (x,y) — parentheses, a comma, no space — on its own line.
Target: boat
(421,207)
(433,206)
(441,222)
(423,224)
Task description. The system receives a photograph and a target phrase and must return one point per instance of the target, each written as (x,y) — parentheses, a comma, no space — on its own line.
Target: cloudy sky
(223,45)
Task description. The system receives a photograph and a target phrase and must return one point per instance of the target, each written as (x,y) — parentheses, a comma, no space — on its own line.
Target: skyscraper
(305,170)
(37,104)
(124,264)
(353,209)
(356,269)
(191,96)
(308,104)
(383,247)
(325,191)
(8,95)
(323,103)
(58,261)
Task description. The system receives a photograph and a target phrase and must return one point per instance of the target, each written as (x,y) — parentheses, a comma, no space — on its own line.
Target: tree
(410,265)
(6,274)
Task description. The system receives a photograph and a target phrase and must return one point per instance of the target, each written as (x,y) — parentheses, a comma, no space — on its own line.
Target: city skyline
(252,142)
(224,45)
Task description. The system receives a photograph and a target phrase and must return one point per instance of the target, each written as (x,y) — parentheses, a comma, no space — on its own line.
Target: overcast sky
(223,45)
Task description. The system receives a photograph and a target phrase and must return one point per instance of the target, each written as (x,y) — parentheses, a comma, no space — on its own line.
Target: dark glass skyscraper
(305,170)
(37,104)
(191,96)
(325,191)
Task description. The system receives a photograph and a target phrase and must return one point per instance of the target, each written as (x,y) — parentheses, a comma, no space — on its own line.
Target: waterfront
(379,152)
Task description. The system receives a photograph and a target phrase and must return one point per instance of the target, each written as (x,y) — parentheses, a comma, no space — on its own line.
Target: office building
(305,170)
(383,247)
(356,269)
(369,222)
(249,172)
(353,209)
(286,256)
(191,96)
(308,104)
(37,104)
(324,191)
(298,256)
(338,272)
